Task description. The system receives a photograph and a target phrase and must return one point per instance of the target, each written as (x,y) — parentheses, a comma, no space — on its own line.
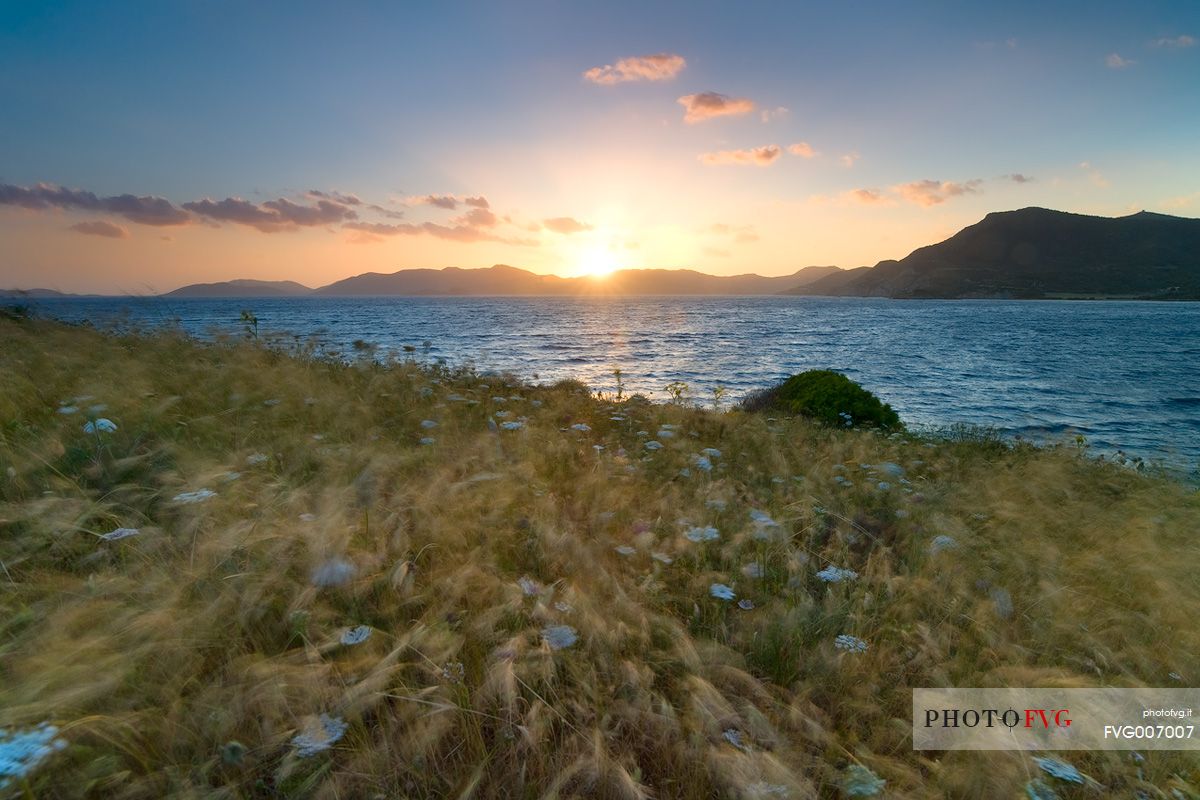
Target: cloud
(1174,41)
(566,225)
(146,210)
(1114,61)
(706,105)
(657,67)
(364,231)
(1017,177)
(758,156)
(931,193)
(802,149)
(101,228)
(868,197)
(1094,175)
(1183,201)
(849,159)
(855,197)
(273,216)
(477,202)
(477,218)
(742,234)
(337,197)
(768,114)
(446,201)
(717,252)
(385,212)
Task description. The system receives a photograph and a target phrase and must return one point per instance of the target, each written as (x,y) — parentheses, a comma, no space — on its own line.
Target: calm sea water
(1124,374)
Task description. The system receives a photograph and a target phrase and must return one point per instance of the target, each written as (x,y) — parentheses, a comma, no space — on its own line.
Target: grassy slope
(154,652)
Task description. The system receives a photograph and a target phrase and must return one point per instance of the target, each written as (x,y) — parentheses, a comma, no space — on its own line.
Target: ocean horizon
(1114,372)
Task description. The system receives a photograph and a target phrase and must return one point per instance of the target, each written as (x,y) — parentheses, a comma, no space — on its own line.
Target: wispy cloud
(868,197)
(756,156)
(273,216)
(363,231)
(477,202)
(1174,41)
(477,218)
(707,105)
(931,193)
(1094,175)
(657,67)
(1017,177)
(337,197)
(566,225)
(802,149)
(742,234)
(768,114)
(1183,201)
(849,159)
(145,210)
(446,201)
(101,228)
(1115,61)
(716,252)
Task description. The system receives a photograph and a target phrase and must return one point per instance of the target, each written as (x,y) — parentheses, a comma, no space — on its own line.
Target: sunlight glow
(597,260)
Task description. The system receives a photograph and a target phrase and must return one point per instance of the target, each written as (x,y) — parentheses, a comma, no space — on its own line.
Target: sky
(144,146)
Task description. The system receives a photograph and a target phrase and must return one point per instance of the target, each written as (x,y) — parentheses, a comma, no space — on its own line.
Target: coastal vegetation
(829,397)
(230,570)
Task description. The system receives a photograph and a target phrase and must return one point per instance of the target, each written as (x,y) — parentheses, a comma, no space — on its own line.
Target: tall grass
(185,660)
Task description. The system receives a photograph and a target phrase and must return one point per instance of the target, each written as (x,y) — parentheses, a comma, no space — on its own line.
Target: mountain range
(1039,253)
(1028,253)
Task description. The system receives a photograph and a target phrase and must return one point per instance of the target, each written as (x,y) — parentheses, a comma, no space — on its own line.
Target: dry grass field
(398,580)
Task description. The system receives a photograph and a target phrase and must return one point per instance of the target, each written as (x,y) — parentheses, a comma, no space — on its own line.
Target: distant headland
(1031,253)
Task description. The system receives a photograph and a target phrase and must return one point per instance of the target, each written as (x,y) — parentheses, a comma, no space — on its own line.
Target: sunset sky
(148,145)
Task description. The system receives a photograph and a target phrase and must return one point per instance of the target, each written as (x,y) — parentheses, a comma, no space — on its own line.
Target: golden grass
(183,661)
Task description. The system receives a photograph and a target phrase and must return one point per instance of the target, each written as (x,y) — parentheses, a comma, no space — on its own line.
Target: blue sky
(1095,103)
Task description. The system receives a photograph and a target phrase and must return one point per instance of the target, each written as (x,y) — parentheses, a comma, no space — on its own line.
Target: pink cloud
(930,193)
(657,67)
(566,225)
(757,156)
(707,105)
(101,228)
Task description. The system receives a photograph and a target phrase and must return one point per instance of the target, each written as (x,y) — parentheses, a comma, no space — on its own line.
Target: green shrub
(827,396)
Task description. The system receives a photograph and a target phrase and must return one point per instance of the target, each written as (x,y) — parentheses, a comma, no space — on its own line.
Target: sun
(597,261)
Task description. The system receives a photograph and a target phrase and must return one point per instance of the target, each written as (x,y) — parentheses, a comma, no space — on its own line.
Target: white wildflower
(721,591)
(333,572)
(198,496)
(851,644)
(559,637)
(119,533)
(832,574)
(356,635)
(319,735)
(701,534)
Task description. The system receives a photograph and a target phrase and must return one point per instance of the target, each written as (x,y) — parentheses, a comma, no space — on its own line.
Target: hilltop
(502,279)
(242,287)
(1040,253)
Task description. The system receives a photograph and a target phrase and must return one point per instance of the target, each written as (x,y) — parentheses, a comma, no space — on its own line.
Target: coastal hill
(242,288)
(505,280)
(502,279)
(1039,253)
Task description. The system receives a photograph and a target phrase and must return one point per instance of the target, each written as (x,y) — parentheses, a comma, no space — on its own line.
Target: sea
(1125,375)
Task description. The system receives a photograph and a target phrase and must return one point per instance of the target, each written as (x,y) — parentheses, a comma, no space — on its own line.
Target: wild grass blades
(541,617)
